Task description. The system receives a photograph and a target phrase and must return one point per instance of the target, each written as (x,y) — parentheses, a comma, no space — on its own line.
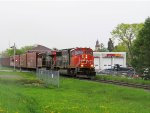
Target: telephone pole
(14,57)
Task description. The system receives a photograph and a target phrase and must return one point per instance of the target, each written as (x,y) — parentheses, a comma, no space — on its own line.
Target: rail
(143,86)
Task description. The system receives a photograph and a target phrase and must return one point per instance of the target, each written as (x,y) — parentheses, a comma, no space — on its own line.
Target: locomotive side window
(72,53)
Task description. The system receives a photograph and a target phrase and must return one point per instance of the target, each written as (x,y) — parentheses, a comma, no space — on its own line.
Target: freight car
(30,60)
(75,61)
(5,61)
(16,60)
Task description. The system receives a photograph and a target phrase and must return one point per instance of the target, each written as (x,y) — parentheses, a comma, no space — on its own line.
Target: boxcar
(17,61)
(23,60)
(31,60)
(5,61)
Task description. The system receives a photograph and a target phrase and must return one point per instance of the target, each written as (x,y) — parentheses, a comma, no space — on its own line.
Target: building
(40,49)
(105,60)
(97,46)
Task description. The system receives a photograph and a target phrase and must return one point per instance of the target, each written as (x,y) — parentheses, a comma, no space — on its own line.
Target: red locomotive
(75,62)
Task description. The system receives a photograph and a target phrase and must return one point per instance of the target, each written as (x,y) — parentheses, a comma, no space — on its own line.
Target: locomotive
(73,61)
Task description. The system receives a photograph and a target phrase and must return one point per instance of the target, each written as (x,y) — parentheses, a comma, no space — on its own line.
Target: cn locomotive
(73,61)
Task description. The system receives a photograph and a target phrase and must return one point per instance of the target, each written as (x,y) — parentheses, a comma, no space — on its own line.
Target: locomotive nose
(86,61)
(84,56)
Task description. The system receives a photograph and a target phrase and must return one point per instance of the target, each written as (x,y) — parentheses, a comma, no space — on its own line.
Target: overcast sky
(65,24)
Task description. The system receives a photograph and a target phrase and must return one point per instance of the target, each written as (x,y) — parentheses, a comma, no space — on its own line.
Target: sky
(65,24)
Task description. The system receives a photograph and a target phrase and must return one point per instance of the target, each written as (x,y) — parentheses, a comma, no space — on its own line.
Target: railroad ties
(143,86)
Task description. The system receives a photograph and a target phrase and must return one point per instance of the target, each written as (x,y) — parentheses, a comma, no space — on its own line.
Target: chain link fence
(49,77)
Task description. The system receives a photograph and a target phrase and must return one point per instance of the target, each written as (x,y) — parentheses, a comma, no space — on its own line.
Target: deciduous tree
(126,33)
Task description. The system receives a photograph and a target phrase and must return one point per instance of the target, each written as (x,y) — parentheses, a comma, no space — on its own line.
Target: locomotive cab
(82,61)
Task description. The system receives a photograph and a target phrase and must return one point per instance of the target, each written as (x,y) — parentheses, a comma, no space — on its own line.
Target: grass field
(23,93)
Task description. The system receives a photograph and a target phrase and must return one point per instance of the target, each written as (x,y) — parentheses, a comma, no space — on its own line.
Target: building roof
(40,49)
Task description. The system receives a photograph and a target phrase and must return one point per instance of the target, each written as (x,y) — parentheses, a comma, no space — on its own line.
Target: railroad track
(142,86)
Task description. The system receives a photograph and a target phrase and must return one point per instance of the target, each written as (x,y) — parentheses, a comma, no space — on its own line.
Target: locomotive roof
(83,48)
(76,48)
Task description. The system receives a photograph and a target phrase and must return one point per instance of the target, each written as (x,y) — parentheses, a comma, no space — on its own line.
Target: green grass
(123,79)
(6,68)
(73,96)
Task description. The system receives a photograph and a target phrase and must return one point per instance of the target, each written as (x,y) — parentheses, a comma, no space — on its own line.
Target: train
(77,62)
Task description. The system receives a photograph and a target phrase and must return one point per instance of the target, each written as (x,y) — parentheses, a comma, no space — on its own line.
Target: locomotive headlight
(86,56)
(92,65)
(82,56)
(81,65)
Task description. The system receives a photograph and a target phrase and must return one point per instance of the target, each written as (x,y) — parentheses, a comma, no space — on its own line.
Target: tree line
(135,40)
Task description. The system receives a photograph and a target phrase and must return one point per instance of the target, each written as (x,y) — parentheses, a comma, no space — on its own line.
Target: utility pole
(14,47)
(14,56)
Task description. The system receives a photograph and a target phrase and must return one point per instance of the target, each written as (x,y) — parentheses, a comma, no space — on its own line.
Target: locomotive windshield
(78,52)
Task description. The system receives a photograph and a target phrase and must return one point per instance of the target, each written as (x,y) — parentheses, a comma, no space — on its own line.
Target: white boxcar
(105,60)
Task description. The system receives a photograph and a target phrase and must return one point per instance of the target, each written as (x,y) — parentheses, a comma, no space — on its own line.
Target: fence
(49,77)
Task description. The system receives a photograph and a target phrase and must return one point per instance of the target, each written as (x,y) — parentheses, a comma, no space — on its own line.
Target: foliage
(102,48)
(110,45)
(73,96)
(141,48)
(121,47)
(126,33)
(10,51)
(25,49)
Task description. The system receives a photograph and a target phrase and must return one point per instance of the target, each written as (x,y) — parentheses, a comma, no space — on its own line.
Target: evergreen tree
(110,45)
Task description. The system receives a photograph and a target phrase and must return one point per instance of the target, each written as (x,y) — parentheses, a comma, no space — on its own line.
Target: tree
(25,49)
(102,48)
(10,51)
(121,47)
(126,33)
(141,48)
(110,45)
